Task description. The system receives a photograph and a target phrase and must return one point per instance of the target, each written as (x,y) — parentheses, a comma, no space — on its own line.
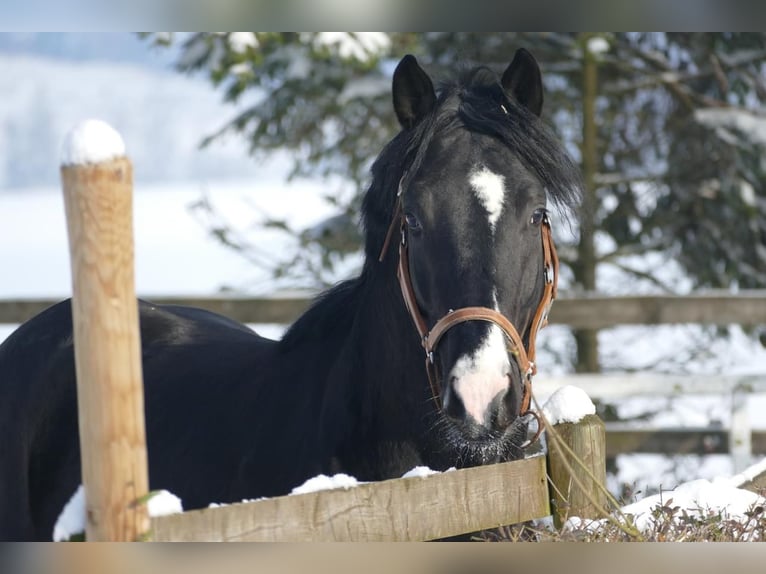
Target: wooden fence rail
(408,509)
(747,308)
(623,439)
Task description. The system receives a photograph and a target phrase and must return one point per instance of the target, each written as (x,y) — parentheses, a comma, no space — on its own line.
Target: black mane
(331,313)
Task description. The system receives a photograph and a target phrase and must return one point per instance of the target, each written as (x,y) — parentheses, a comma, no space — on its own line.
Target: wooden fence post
(577,469)
(97,180)
(740,435)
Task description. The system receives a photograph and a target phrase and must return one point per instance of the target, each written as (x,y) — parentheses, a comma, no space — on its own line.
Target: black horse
(457,210)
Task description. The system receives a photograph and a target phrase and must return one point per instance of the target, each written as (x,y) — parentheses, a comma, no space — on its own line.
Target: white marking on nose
(490,189)
(479,377)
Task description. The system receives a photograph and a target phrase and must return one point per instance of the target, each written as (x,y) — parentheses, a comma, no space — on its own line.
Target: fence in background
(738,439)
(747,308)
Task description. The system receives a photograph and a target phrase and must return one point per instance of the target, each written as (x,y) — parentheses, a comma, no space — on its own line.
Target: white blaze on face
(478,378)
(490,189)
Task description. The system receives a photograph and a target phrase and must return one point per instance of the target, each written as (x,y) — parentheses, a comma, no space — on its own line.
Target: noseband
(524,356)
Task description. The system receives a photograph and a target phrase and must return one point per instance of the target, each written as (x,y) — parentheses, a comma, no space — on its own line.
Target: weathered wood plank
(409,509)
(244,309)
(712,308)
(692,440)
(582,312)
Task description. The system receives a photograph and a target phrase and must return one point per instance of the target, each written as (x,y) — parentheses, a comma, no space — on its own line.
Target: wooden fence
(567,481)
(747,308)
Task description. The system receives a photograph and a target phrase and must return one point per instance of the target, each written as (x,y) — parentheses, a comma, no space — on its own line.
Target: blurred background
(251,152)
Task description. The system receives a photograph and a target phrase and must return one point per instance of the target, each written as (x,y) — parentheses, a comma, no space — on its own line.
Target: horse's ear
(413,92)
(523,81)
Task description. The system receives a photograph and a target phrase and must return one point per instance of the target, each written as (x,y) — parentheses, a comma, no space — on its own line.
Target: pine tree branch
(675,80)
(610,179)
(647,276)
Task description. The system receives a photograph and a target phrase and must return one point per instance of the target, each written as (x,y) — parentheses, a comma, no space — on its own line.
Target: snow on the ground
(696,498)
(643,474)
(162,116)
(569,404)
(175,254)
(91,141)
(71,521)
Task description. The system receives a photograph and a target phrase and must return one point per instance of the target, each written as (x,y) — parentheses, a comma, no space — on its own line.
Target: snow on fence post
(97,179)
(576,456)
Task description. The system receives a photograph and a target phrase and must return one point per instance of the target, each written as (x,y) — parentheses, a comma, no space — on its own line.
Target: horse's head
(477,262)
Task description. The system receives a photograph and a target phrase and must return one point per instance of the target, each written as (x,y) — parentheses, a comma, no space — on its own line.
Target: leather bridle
(524,356)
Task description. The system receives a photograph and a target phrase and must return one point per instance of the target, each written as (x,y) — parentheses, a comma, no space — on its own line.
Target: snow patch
(569,404)
(419,472)
(724,119)
(324,482)
(243,501)
(361,46)
(423,471)
(697,497)
(71,521)
(92,141)
(163,503)
(364,88)
(239,42)
(598,45)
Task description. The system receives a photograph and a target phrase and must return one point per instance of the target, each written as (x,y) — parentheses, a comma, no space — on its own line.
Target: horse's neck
(383,330)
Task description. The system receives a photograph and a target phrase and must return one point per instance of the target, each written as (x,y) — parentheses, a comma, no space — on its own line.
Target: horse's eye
(412,221)
(538,216)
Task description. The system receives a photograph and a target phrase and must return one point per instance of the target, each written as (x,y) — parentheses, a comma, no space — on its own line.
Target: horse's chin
(464,445)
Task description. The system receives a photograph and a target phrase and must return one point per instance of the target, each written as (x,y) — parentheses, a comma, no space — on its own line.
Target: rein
(524,356)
